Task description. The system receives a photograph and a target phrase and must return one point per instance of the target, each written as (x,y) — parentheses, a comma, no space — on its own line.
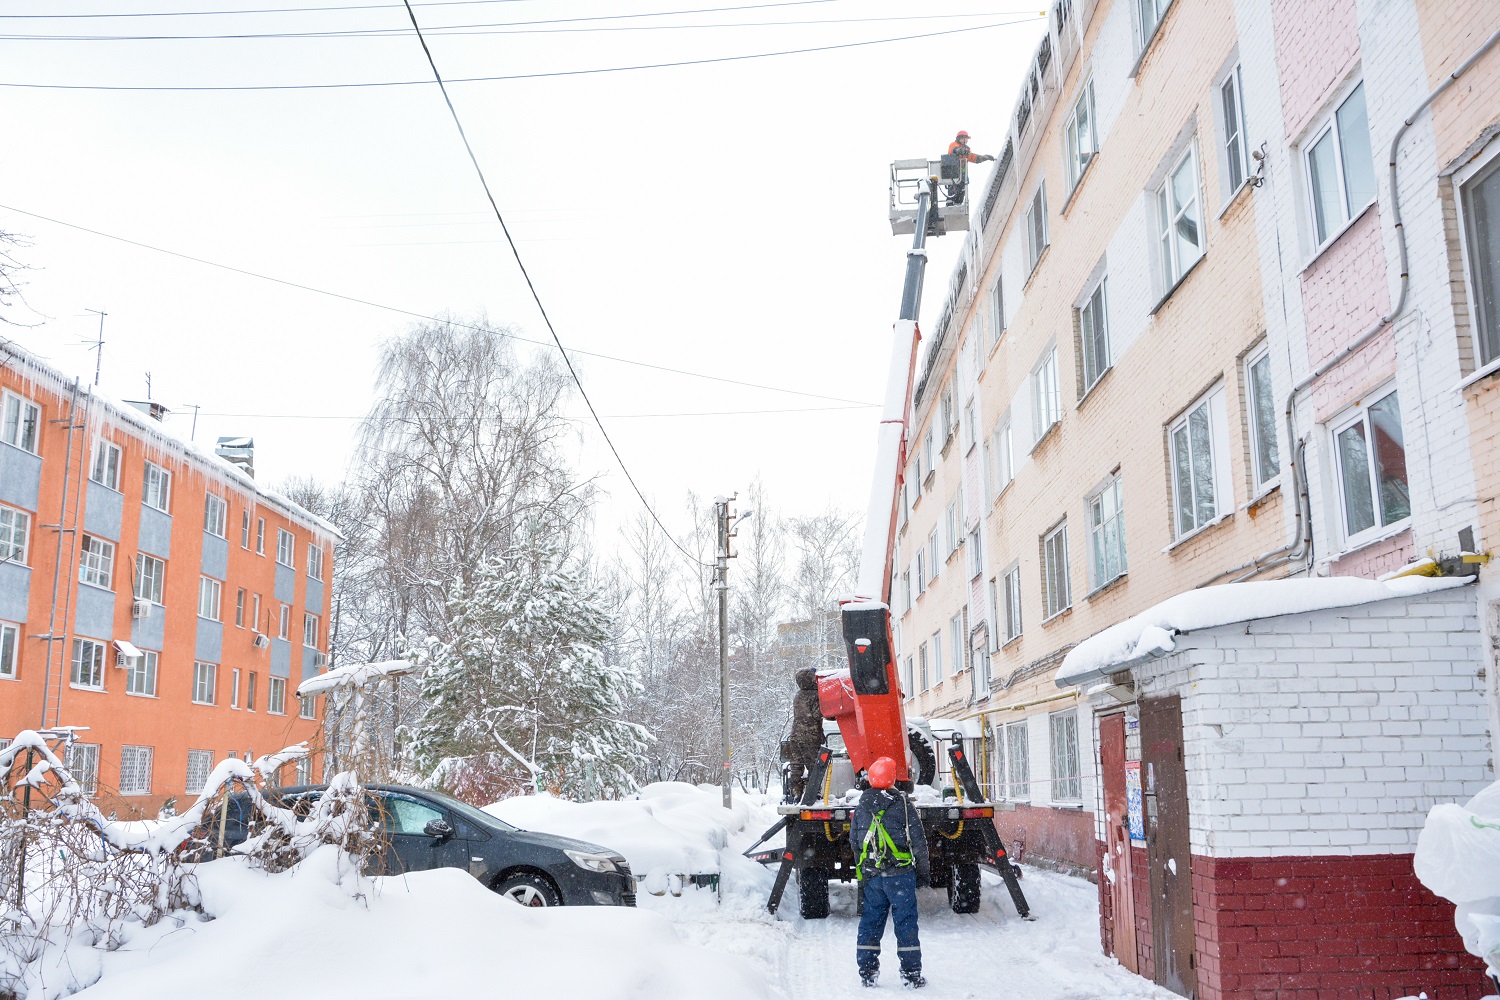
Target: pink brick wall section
(1344,292)
(1378,559)
(1317,42)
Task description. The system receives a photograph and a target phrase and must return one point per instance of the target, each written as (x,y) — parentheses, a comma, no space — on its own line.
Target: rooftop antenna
(99,345)
(148,387)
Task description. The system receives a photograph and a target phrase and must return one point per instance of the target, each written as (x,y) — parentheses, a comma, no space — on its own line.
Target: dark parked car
(426,829)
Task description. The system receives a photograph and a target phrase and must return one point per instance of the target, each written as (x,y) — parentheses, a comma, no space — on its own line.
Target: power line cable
(548,74)
(424,316)
(605,416)
(387,6)
(535,296)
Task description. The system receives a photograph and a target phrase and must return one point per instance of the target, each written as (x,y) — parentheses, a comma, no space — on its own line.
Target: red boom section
(866,701)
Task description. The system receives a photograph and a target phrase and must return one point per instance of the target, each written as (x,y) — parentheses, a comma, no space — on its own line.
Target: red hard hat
(882,773)
(962,134)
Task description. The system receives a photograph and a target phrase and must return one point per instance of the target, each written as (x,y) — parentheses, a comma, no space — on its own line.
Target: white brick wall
(1329,733)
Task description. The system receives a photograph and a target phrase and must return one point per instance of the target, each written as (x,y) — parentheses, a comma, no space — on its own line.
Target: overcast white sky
(727,219)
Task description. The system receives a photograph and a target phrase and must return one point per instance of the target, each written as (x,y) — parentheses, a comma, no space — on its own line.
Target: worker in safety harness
(959,147)
(887,833)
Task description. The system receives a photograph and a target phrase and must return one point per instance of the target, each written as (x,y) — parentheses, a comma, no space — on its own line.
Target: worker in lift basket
(959,147)
(887,833)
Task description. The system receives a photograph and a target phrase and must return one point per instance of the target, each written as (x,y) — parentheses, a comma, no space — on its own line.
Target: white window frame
(928,454)
(1166,252)
(205,682)
(135,770)
(1234,142)
(922,666)
(1003,456)
(315,561)
(96,562)
(1264,469)
(215,514)
(286,548)
(951,522)
(1096,354)
(20,422)
(239,607)
(86,666)
(15,535)
(997,311)
(255,612)
(1106,509)
(276,695)
(156,488)
(10,651)
(976,554)
(234,687)
(1350,208)
(1356,416)
(1067,758)
(210,596)
(250,692)
(200,764)
(1484,327)
(1080,145)
(1046,404)
(956,643)
(304,766)
(150,587)
(971,426)
(934,564)
(936,642)
(1142,12)
(950,420)
(310,631)
(1037,239)
(1011,592)
(260,536)
(1057,584)
(245,528)
(308,709)
(1018,760)
(104,469)
(285,629)
(1211,404)
(140,676)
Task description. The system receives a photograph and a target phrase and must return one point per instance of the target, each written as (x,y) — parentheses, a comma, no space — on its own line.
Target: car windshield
(473,815)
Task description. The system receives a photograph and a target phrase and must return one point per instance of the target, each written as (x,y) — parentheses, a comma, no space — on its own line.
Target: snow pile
(355,675)
(1151,631)
(1458,858)
(671,828)
(430,934)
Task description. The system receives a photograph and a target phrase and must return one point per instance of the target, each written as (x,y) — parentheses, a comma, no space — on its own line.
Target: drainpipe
(1296,549)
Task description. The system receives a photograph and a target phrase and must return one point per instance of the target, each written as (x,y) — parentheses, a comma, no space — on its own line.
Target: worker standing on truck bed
(887,832)
(959,147)
(807,732)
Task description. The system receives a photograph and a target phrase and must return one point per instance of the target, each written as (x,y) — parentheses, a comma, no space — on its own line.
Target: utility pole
(721,584)
(99,345)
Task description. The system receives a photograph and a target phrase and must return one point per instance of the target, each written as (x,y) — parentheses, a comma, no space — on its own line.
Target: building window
(1179,224)
(922,666)
(1067,777)
(83,760)
(135,770)
(286,548)
(1045,407)
(1148,18)
(929,462)
(906,681)
(310,631)
(150,578)
(906,590)
(971,427)
(949,423)
(1232,128)
(22,423)
(997,312)
(156,488)
(140,676)
(105,469)
(1013,603)
(208,598)
(276,695)
(304,766)
(250,691)
(255,612)
(10,650)
(200,765)
(1093,336)
(933,563)
(1265,463)
(976,557)
(1340,167)
(215,513)
(1196,441)
(952,521)
(1002,443)
(15,534)
(96,562)
(921,571)
(1036,227)
(245,528)
(936,642)
(285,631)
(956,641)
(1372,469)
(309,707)
(239,608)
(1017,761)
(1080,136)
(315,560)
(260,536)
(234,687)
(88,663)
(1479,200)
(205,682)
(1057,595)
(1107,534)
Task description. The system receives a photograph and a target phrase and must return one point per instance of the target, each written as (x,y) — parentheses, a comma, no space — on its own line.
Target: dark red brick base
(1064,837)
(1318,928)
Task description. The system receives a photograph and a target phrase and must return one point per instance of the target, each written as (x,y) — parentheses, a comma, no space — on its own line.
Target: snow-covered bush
(1458,858)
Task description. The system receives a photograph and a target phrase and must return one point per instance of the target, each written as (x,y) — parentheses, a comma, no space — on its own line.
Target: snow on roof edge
(1148,634)
(31,367)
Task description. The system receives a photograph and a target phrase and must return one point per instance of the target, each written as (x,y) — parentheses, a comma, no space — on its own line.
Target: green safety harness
(878,838)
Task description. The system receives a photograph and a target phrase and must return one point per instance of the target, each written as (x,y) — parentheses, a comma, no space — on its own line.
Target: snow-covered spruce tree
(523,695)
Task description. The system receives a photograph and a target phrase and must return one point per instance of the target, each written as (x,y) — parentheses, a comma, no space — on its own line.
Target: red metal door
(1168,852)
(1117,840)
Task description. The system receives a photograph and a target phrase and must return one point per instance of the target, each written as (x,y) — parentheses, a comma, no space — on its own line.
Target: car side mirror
(438,828)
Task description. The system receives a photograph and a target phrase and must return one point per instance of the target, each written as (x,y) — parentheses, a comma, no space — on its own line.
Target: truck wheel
(963,888)
(812,892)
(923,757)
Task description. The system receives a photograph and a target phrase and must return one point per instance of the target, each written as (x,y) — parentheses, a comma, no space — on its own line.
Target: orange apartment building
(151,592)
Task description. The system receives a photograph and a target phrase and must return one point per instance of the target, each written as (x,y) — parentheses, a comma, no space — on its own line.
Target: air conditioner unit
(261,642)
(124,661)
(320,660)
(140,609)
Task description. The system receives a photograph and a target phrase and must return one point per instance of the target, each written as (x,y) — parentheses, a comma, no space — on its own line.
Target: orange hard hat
(882,773)
(962,134)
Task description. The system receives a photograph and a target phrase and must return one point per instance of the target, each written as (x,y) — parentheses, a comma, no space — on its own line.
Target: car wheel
(529,890)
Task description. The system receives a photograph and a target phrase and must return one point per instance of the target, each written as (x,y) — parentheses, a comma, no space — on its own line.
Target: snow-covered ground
(1054,957)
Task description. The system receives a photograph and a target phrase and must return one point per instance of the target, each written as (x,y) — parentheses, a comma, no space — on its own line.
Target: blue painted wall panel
(210,647)
(281,658)
(15,591)
(314,599)
(215,556)
(286,583)
(95,616)
(147,633)
(309,668)
(102,512)
(20,477)
(156,533)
